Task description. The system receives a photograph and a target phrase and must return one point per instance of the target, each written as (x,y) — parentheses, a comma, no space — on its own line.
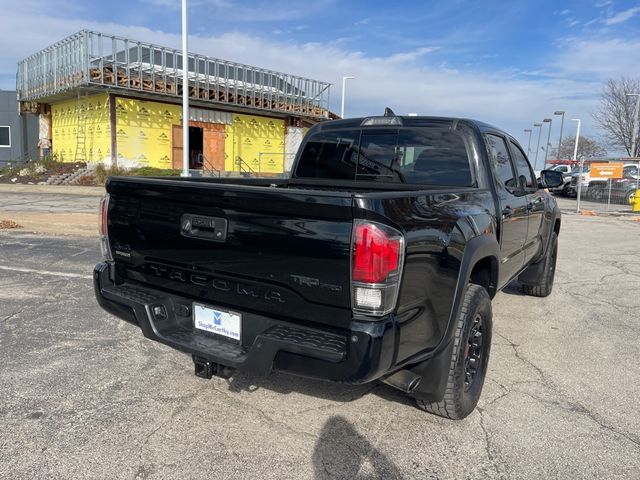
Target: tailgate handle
(205,228)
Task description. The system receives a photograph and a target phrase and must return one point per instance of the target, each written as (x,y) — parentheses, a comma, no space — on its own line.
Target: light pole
(528,130)
(634,137)
(539,126)
(546,150)
(344,84)
(575,159)
(185,93)
(560,112)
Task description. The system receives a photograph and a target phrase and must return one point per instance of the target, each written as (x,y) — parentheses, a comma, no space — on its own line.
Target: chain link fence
(604,186)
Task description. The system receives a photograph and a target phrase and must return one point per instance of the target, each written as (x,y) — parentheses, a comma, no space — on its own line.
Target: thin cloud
(622,17)
(410,56)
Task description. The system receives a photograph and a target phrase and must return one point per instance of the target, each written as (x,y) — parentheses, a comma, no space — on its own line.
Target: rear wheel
(544,286)
(469,358)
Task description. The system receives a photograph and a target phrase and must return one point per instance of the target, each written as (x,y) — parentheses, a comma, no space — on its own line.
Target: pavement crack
(574,407)
(487,444)
(505,392)
(568,404)
(11,316)
(577,407)
(142,471)
(526,361)
(264,415)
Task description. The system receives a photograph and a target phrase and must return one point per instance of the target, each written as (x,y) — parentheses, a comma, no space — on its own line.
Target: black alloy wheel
(473,352)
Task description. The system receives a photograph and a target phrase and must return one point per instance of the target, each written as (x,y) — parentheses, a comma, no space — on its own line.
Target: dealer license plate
(215,320)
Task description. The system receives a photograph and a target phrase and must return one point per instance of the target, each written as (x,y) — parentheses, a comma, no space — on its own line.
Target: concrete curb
(55,189)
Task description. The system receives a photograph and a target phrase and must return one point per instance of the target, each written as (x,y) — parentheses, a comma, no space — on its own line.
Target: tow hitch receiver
(204,368)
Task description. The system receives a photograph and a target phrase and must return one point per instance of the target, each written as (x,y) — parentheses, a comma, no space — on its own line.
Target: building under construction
(103,98)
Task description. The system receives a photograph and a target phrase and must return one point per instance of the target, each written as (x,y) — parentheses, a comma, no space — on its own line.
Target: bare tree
(616,113)
(587,148)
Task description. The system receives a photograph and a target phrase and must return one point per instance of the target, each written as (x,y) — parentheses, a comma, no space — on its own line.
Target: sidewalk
(52,209)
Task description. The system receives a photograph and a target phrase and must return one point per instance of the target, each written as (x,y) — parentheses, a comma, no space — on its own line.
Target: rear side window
(434,155)
(499,156)
(522,166)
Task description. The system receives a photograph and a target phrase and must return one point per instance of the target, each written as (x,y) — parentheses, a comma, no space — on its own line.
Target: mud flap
(533,273)
(434,373)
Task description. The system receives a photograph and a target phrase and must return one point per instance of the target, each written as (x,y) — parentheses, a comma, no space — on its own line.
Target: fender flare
(476,249)
(434,366)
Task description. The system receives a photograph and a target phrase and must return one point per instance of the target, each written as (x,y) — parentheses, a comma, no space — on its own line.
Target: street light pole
(528,130)
(634,137)
(539,126)
(344,84)
(575,159)
(546,150)
(560,112)
(185,93)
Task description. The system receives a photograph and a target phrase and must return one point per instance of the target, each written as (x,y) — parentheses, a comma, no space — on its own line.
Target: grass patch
(102,172)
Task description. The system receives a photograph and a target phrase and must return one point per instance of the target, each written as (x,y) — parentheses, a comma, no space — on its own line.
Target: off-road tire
(544,288)
(461,399)
(567,191)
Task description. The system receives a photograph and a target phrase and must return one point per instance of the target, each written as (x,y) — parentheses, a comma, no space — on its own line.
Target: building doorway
(196,148)
(206,145)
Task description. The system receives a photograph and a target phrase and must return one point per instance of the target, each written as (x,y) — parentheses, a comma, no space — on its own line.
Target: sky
(506,63)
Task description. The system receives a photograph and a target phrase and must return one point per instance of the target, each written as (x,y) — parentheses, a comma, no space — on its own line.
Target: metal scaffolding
(100,61)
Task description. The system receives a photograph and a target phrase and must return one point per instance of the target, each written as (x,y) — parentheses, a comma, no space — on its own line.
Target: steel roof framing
(96,60)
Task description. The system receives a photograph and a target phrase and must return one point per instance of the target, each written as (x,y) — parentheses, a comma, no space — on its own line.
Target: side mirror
(551,179)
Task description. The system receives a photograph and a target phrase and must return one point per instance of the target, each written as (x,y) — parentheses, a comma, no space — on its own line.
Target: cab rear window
(434,155)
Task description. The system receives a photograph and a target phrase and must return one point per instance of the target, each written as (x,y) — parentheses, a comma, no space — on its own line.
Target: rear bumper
(359,355)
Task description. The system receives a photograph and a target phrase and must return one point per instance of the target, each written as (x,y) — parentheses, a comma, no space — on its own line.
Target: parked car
(376,260)
(585,179)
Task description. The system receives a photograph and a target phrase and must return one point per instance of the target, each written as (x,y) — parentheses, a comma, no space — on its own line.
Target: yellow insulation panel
(94,115)
(257,141)
(143,131)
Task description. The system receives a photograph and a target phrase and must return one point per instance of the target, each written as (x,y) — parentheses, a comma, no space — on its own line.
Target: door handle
(204,228)
(507,212)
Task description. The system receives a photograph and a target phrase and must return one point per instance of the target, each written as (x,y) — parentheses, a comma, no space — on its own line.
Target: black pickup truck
(376,260)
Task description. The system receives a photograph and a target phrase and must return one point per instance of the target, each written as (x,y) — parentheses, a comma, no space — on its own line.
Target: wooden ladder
(81,130)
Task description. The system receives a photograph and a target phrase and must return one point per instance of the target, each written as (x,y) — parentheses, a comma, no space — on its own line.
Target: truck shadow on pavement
(342,452)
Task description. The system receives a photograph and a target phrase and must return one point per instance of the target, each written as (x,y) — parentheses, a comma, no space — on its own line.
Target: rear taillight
(104,232)
(378,254)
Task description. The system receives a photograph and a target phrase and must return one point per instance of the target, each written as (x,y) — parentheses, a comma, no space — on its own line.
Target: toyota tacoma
(376,260)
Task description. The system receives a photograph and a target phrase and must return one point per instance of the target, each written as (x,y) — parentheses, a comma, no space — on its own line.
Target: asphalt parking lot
(86,396)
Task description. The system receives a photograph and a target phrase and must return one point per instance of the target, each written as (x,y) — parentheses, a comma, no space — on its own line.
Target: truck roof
(407,121)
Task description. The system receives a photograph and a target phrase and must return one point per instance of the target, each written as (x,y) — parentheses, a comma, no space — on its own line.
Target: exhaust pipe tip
(404,380)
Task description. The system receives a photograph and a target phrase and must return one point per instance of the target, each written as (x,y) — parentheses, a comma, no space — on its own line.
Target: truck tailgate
(258,249)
